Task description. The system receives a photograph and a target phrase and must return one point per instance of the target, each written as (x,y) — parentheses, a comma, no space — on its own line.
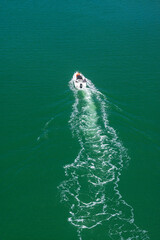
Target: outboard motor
(81,85)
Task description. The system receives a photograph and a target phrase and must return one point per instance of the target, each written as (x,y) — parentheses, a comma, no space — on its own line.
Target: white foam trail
(91,185)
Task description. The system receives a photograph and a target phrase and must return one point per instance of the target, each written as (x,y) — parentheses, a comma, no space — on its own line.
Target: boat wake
(91,184)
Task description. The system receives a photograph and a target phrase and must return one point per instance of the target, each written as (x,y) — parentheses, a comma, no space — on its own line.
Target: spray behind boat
(90,188)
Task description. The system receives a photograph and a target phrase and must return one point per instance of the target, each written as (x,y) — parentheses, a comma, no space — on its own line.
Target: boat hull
(80,81)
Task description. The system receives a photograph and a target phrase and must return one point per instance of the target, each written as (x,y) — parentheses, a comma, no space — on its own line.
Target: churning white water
(91,184)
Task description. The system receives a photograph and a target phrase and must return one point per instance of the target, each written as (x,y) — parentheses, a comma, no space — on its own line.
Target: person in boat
(79,76)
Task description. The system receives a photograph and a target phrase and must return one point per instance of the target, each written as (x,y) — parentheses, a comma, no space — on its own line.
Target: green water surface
(42,43)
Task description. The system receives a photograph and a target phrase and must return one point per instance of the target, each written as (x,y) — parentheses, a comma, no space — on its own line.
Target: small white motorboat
(80,82)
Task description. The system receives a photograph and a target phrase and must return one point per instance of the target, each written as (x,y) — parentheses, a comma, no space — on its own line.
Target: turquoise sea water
(79,165)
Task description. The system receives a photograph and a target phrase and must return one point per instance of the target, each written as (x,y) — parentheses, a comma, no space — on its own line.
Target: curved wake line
(91,185)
